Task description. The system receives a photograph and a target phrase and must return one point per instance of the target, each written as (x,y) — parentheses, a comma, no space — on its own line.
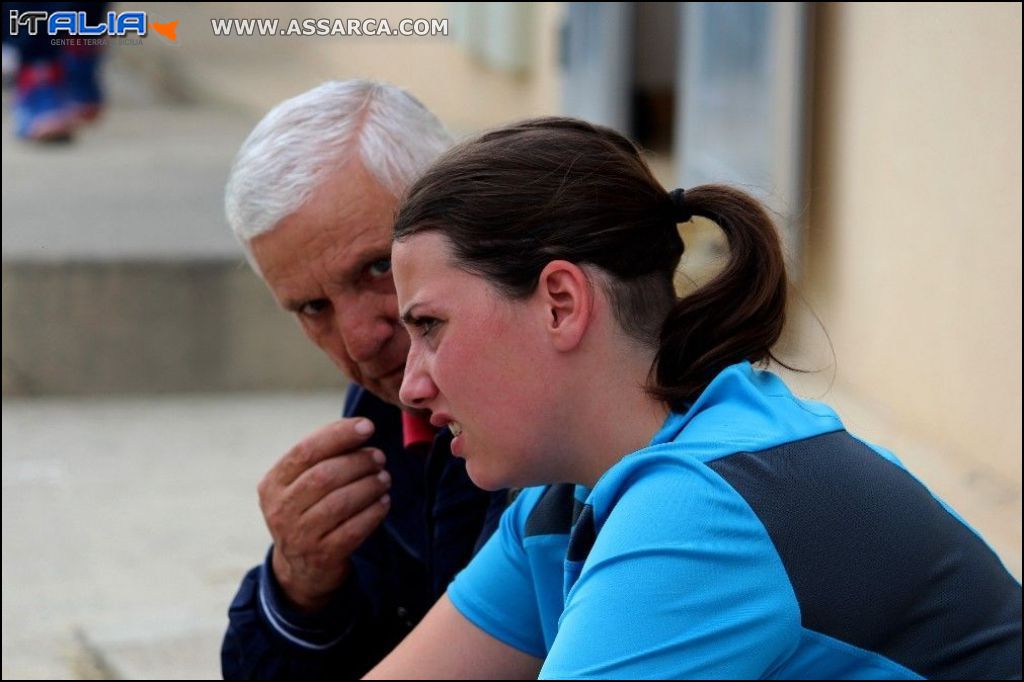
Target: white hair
(291,151)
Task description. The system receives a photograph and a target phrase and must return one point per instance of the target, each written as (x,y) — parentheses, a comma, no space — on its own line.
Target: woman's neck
(617,417)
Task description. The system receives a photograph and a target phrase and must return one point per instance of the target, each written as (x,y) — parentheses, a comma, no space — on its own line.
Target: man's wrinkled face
(329,263)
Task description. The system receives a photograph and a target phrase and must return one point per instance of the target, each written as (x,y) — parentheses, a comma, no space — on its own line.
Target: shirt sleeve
(682,581)
(496,591)
(267,640)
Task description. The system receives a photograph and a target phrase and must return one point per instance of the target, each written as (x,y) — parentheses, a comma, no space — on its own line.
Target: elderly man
(371,516)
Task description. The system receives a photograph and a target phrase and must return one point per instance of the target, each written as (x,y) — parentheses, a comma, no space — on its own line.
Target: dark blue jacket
(438,520)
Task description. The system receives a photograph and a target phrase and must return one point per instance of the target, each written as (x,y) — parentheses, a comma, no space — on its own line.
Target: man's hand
(321,500)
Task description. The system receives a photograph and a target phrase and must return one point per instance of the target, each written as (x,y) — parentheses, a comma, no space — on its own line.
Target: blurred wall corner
(499,34)
(913,250)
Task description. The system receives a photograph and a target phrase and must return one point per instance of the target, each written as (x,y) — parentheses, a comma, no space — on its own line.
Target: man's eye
(380,268)
(313,308)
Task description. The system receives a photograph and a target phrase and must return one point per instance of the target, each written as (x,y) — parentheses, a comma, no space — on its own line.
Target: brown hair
(516,198)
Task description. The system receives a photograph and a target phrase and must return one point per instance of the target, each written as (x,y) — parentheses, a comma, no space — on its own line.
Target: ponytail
(739,315)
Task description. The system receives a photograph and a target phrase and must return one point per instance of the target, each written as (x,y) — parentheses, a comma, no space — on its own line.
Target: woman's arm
(446,645)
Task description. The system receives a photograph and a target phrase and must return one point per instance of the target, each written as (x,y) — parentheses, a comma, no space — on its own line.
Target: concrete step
(126,326)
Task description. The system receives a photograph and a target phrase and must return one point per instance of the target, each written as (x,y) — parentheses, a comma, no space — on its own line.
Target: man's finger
(349,535)
(329,475)
(344,503)
(334,439)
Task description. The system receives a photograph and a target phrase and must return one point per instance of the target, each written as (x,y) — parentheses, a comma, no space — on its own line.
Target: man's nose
(365,329)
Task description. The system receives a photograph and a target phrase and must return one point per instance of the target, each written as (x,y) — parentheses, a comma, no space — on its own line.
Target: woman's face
(478,362)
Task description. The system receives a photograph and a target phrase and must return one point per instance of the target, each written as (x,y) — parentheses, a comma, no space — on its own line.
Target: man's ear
(565,293)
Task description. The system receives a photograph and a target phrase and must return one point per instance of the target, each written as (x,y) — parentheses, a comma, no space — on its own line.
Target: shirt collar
(416,430)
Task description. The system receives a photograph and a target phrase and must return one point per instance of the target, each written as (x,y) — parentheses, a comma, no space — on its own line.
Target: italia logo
(77,24)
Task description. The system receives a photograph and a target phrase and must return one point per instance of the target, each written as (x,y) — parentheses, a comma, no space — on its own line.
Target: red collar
(416,430)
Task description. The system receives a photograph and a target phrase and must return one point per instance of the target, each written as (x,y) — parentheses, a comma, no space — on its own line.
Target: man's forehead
(355,212)
(346,230)
(304,263)
(348,219)
(350,251)
(351,235)
(351,189)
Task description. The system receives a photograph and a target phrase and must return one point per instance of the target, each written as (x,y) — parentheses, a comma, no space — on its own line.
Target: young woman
(690,516)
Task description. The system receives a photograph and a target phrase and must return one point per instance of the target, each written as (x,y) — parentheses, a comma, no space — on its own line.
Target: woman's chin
(484,479)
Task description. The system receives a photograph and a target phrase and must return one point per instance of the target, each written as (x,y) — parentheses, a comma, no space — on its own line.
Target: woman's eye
(427,325)
(380,268)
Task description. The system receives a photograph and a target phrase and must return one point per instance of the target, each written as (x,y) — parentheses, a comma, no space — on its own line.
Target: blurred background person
(56,78)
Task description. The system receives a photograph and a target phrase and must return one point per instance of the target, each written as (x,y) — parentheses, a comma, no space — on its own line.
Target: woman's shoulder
(669,485)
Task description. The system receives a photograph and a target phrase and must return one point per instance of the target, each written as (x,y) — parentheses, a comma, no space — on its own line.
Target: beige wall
(465,93)
(914,246)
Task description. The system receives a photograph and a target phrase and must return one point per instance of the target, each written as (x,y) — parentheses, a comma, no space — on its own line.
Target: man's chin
(387,389)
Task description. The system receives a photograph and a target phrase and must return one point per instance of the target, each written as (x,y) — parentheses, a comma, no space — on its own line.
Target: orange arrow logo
(168,29)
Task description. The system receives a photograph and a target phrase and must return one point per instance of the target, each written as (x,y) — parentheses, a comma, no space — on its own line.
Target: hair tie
(681,212)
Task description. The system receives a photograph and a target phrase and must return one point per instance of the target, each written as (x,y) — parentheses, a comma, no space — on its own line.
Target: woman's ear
(565,293)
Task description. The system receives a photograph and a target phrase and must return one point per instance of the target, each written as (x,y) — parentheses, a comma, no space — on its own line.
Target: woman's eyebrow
(408,318)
